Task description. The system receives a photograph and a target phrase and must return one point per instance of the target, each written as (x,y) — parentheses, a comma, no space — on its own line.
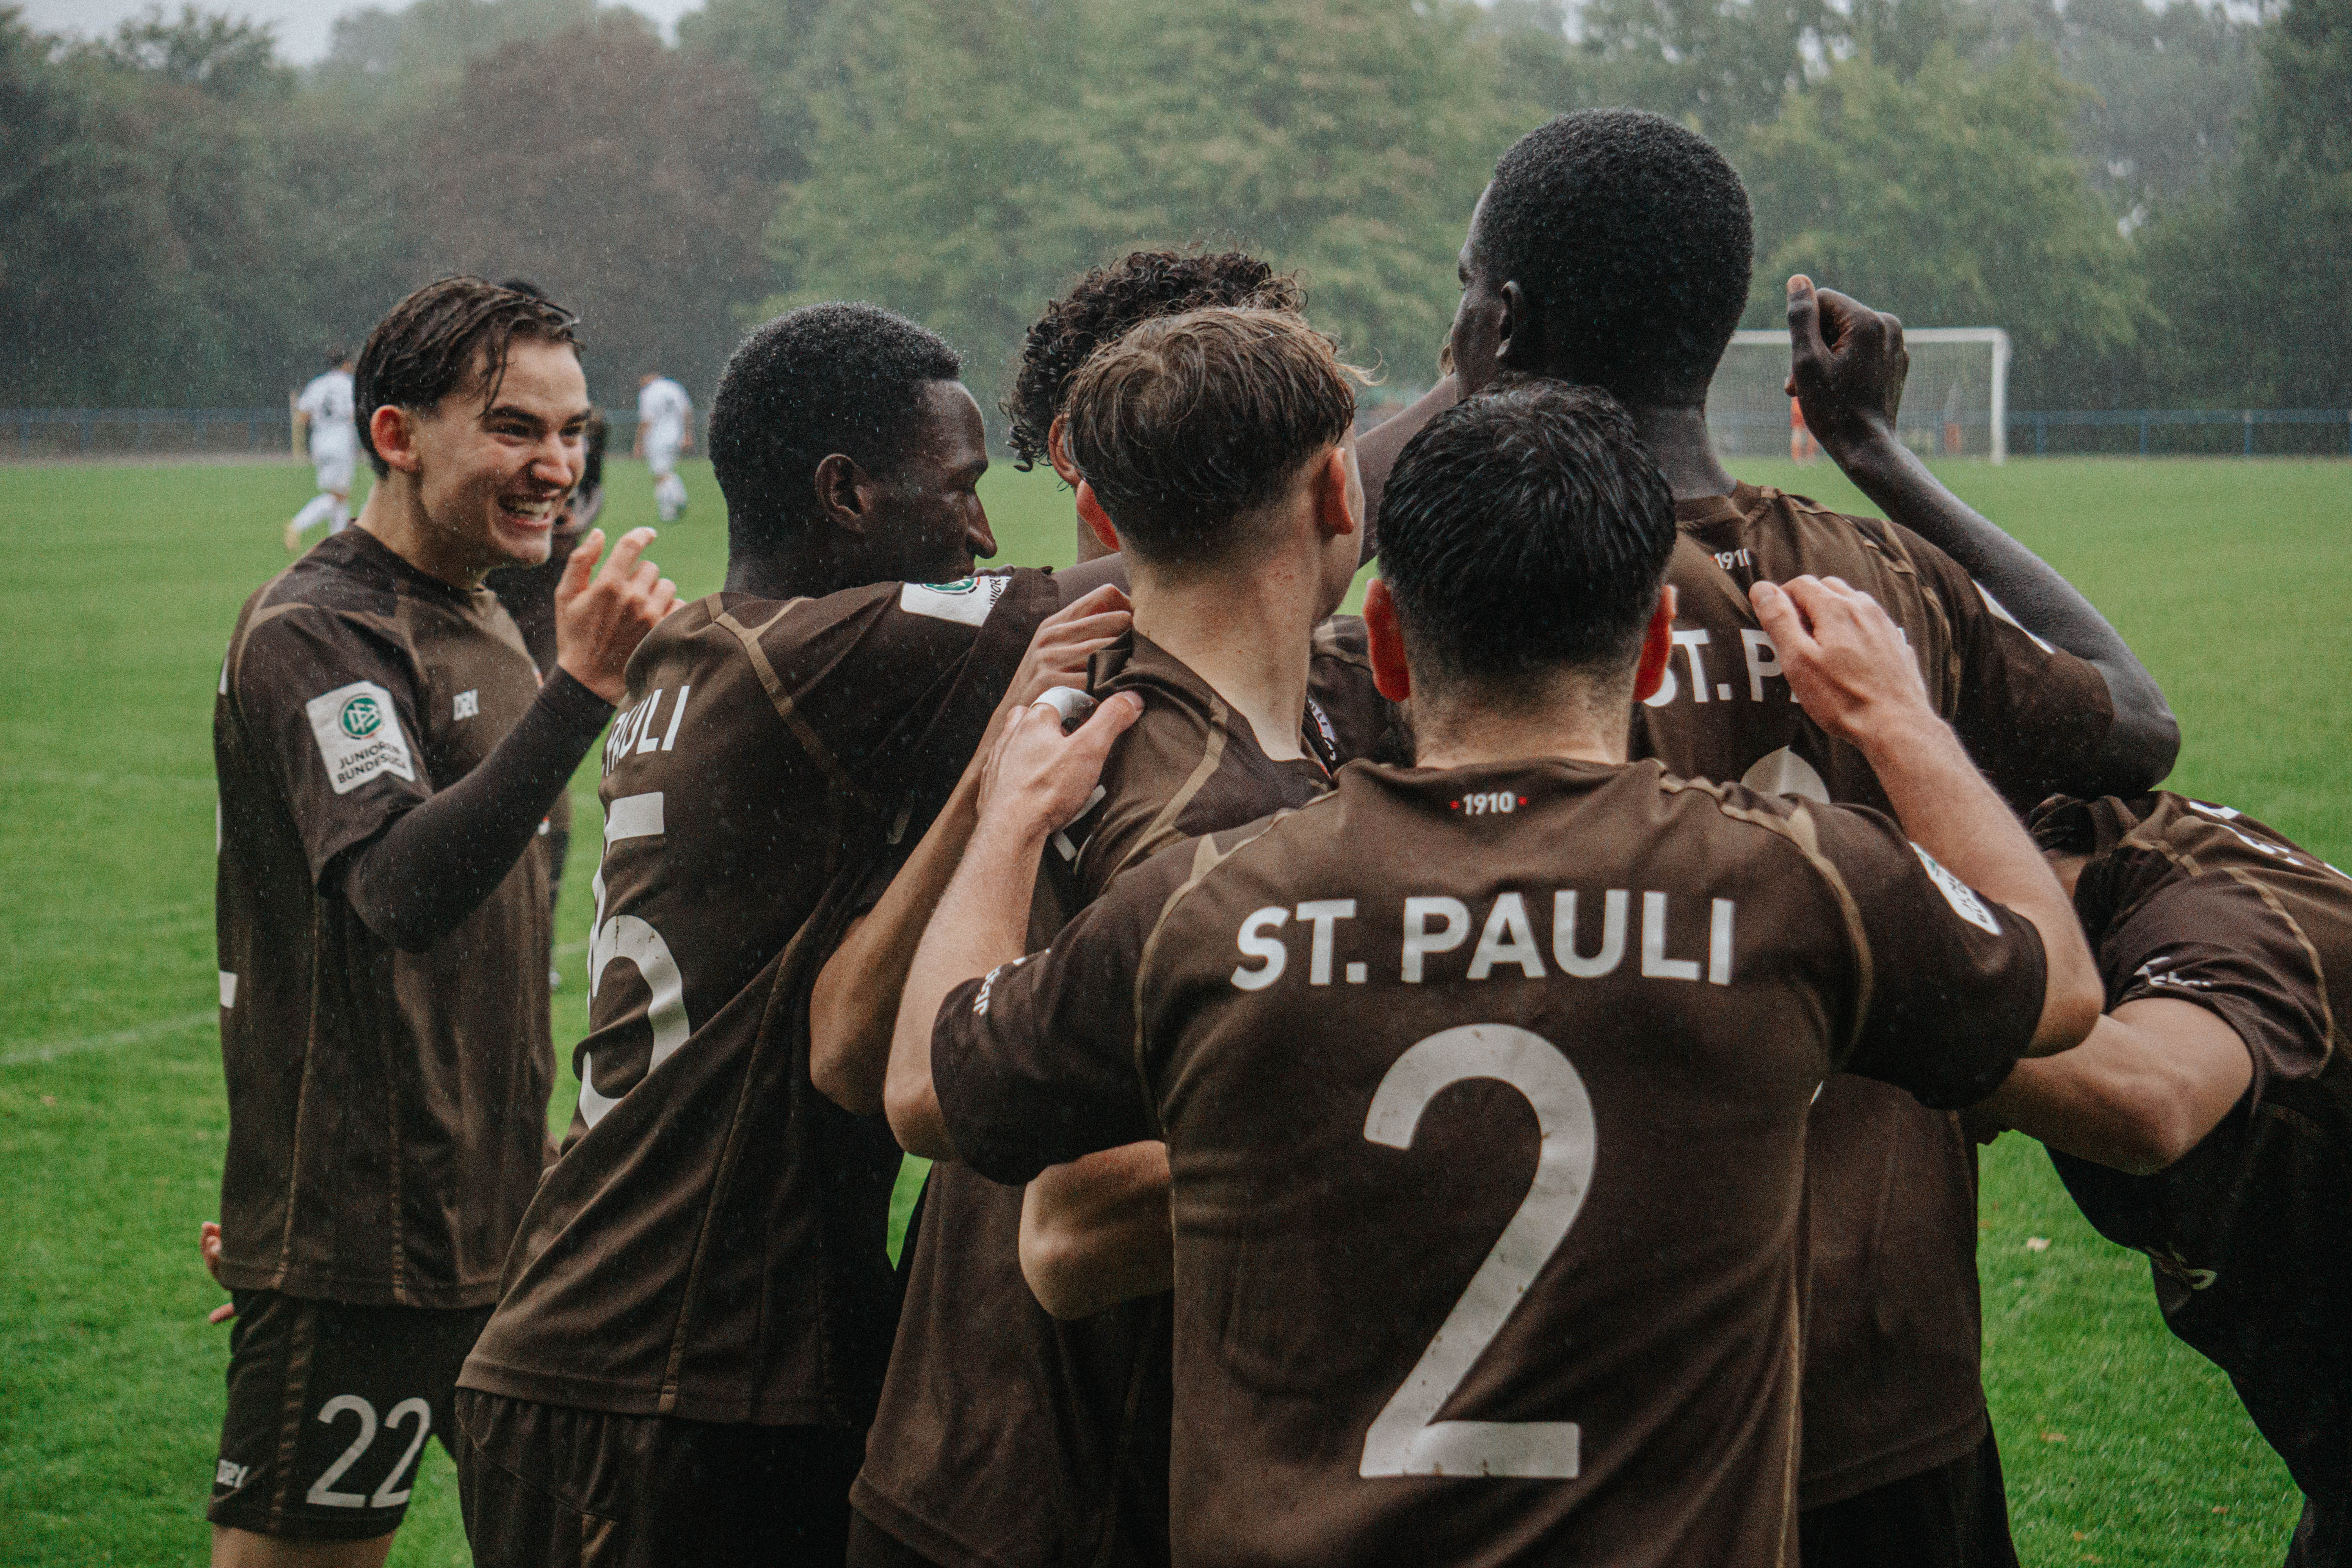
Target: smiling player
(386,752)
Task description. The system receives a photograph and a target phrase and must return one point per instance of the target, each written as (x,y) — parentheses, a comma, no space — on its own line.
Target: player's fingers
(642,580)
(1092,740)
(1105,597)
(577,570)
(664,600)
(1805,341)
(222,1313)
(624,554)
(1782,621)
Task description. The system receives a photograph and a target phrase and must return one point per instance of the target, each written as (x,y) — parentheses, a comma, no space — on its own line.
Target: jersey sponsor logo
(2148,974)
(359,735)
(988,982)
(1958,894)
(469,705)
(1435,925)
(967,601)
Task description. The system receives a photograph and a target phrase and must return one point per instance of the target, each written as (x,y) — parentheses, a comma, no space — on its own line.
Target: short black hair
(1525,530)
(1634,238)
(524,286)
(423,348)
(1104,302)
(822,379)
(336,357)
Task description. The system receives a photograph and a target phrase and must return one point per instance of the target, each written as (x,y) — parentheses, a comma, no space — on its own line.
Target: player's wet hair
(424,348)
(822,379)
(1631,236)
(1104,304)
(1190,422)
(1523,532)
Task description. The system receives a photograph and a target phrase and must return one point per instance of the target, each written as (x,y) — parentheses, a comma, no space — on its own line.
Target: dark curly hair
(1633,236)
(1104,303)
(423,348)
(819,380)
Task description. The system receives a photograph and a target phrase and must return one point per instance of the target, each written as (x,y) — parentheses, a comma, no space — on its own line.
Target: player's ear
(1097,520)
(1518,334)
(838,478)
(1057,451)
(1389,672)
(392,430)
(1657,647)
(1339,493)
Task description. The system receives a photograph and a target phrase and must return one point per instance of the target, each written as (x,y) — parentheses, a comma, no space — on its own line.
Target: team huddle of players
(1490,1080)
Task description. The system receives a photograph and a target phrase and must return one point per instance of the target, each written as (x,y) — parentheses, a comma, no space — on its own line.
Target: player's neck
(1569,723)
(395,518)
(1246,633)
(1677,439)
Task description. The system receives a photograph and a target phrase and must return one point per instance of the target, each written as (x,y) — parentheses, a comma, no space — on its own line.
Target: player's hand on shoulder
(1847,664)
(601,616)
(1064,641)
(1037,778)
(1846,365)
(208,1248)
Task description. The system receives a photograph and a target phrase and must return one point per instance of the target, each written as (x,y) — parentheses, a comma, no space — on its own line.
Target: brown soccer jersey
(1006,1439)
(387,1110)
(1549,1314)
(1893,1384)
(711,1244)
(2199,903)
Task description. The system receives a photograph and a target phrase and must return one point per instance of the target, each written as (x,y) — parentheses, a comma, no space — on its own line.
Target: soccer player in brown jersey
(1550,1315)
(2208,1120)
(1613,249)
(386,752)
(696,1313)
(1005,1438)
(1096,311)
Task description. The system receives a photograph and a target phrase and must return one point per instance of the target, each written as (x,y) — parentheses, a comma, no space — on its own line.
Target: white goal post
(1955,401)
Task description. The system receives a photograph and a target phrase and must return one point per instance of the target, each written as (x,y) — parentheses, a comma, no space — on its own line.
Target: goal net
(1955,401)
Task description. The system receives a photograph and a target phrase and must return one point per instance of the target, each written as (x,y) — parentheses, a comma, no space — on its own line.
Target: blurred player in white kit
(665,428)
(324,410)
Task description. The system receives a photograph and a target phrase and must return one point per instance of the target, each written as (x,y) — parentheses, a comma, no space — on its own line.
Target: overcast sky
(303,30)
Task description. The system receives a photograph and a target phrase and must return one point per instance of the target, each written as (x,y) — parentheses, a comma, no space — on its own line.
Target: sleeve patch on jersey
(359,735)
(1958,894)
(968,602)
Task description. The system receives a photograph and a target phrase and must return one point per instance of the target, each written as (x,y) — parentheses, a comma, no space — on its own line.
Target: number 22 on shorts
(1405,1439)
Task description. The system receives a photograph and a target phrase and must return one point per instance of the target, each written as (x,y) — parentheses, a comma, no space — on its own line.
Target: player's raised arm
(1848,664)
(1035,781)
(856,1003)
(1847,367)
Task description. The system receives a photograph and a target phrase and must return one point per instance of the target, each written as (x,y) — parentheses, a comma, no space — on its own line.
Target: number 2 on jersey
(1405,1439)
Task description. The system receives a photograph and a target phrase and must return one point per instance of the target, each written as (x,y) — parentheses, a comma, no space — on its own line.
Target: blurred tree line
(2151,200)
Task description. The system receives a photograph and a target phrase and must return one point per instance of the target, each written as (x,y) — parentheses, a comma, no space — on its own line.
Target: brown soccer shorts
(328,1407)
(548,1485)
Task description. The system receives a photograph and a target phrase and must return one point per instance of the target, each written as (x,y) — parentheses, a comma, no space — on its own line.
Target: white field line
(49,1050)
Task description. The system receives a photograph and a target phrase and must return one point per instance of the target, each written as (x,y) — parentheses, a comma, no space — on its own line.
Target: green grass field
(2121,1446)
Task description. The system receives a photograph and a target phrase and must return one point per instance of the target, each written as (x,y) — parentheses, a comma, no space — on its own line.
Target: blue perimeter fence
(31,433)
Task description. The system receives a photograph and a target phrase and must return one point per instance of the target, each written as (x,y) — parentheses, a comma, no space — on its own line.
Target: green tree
(621,176)
(1954,199)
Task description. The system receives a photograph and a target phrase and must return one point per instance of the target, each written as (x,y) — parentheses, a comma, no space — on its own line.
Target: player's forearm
(2141,744)
(419,879)
(981,921)
(1947,808)
(1096,1231)
(1377,449)
(853,1009)
(2144,1090)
